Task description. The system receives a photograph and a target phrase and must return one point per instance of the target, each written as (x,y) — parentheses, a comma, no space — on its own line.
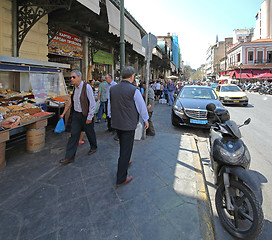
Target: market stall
(27,89)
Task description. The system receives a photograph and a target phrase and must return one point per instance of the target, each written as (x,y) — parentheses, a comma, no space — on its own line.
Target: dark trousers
(108,119)
(126,140)
(78,125)
(150,131)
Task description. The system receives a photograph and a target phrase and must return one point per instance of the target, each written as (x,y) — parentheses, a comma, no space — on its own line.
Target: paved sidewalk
(166,200)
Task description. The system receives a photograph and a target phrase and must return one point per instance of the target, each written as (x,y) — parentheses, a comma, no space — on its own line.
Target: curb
(204,204)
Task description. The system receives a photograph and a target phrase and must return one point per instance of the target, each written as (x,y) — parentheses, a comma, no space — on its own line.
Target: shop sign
(103,57)
(66,44)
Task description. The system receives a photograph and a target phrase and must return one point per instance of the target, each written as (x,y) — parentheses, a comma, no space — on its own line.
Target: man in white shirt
(111,83)
(83,106)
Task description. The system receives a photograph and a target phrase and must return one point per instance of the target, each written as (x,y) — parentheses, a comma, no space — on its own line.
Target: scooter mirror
(211,107)
(247,121)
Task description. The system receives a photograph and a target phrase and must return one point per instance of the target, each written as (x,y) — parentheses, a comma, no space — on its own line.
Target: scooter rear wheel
(246,220)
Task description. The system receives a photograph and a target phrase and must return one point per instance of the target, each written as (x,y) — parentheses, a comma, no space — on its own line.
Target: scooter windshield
(234,128)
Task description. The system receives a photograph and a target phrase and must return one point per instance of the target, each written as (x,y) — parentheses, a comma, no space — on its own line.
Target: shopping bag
(60,126)
(104,115)
(97,106)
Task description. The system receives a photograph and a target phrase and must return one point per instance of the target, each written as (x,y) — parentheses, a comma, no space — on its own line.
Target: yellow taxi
(231,94)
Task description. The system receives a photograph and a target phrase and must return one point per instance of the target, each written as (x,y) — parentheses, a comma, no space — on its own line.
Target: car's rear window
(230,89)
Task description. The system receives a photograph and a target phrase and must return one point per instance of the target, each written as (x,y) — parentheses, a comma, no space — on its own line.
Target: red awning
(258,72)
(231,74)
(264,75)
(243,75)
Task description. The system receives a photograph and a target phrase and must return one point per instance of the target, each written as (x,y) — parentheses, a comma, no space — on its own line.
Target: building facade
(263,28)
(83,34)
(250,59)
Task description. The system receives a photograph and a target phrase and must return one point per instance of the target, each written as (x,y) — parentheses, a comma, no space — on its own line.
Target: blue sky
(196,22)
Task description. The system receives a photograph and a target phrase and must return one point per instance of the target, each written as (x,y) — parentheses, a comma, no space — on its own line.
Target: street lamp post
(240,65)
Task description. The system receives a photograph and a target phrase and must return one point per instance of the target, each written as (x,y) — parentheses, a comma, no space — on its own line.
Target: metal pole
(240,74)
(15,52)
(122,35)
(147,77)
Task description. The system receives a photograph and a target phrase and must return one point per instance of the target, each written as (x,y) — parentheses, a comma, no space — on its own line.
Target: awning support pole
(122,35)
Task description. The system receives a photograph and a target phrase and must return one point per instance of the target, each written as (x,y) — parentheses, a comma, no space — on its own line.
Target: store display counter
(35,136)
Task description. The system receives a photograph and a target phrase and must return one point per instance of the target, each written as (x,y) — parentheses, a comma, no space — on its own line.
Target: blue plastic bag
(60,126)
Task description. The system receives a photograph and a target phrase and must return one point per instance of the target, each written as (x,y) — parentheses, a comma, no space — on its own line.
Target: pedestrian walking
(150,108)
(111,83)
(126,104)
(158,91)
(69,110)
(171,89)
(102,97)
(165,92)
(83,105)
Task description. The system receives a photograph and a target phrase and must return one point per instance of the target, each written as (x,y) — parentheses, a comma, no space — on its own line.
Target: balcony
(260,61)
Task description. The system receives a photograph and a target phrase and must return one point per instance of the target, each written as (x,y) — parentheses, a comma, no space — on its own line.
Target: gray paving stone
(151,182)
(10,225)
(97,183)
(130,235)
(39,223)
(186,190)
(74,211)
(185,219)
(129,191)
(70,191)
(103,200)
(141,209)
(80,231)
(12,186)
(158,229)
(167,175)
(91,169)
(165,198)
(112,222)
(62,175)
(185,171)
(44,196)
(49,236)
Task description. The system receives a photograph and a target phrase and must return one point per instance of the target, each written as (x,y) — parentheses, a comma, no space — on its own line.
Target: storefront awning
(16,63)
(132,33)
(91,4)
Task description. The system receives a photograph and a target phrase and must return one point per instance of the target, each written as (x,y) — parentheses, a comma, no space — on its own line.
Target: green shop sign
(103,57)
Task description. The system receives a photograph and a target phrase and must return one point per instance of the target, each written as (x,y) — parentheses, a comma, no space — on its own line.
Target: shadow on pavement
(42,200)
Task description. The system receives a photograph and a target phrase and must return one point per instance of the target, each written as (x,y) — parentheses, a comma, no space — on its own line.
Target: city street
(257,136)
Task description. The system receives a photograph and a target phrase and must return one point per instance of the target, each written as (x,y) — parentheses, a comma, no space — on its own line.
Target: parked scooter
(237,206)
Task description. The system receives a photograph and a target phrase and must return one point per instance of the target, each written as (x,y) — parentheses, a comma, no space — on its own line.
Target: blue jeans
(171,98)
(100,111)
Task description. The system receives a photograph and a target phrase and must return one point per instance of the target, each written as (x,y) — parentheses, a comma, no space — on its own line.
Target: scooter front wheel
(246,220)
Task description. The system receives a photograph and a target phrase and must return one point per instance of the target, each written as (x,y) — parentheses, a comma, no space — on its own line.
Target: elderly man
(102,96)
(111,83)
(126,104)
(83,106)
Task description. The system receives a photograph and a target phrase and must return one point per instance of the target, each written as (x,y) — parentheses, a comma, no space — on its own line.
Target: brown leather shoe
(66,161)
(91,151)
(129,178)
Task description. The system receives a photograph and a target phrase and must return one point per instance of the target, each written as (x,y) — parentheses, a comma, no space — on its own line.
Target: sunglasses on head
(72,77)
